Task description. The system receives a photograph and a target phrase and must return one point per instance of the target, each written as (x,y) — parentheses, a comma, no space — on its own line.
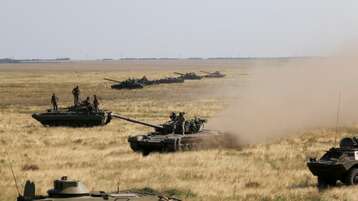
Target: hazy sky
(174,28)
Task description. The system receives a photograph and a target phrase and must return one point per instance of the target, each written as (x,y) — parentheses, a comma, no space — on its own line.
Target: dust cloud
(288,98)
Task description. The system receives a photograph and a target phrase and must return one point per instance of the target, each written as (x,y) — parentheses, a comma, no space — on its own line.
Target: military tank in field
(169,137)
(189,76)
(72,190)
(216,74)
(169,80)
(126,84)
(337,164)
(74,116)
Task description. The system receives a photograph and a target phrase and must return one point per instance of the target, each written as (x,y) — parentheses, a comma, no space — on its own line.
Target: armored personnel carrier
(169,137)
(216,74)
(71,190)
(189,76)
(337,164)
(126,84)
(74,116)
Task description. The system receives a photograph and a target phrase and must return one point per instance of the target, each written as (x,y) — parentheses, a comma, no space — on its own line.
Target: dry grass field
(102,159)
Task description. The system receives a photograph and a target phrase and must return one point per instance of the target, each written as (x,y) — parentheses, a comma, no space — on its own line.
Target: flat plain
(102,159)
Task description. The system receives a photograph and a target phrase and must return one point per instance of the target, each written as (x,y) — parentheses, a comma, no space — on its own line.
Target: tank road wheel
(352,177)
(145,152)
(323,183)
(169,145)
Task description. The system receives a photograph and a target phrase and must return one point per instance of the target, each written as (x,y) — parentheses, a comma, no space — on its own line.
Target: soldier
(173,117)
(87,103)
(54,100)
(95,103)
(76,95)
(181,122)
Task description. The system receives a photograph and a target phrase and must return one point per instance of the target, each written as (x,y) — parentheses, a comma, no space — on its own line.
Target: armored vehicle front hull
(73,119)
(155,142)
(327,169)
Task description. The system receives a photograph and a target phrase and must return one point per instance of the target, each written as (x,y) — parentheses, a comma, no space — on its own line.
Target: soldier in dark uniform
(76,95)
(87,103)
(54,100)
(173,116)
(95,103)
(181,122)
(173,119)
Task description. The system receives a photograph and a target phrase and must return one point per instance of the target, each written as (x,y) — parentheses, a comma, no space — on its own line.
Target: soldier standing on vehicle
(87,104)
(95,103)
(173,117)
(54,100)
(181,122)
(76,95)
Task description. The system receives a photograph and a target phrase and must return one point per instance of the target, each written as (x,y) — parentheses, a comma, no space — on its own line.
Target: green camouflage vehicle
(337,164)
(126,84)
(169,80)
(216,74)
(71,190)
(74,116)
(189,76)
(168,137)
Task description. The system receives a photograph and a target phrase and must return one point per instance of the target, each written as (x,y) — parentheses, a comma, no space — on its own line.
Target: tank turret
(216,74)
(67,188)
(189,76)
(190,126)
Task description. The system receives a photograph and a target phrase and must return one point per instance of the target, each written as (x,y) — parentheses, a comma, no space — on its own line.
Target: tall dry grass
(102,159)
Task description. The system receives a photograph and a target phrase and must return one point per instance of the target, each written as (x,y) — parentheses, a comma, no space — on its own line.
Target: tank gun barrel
(205,72)
(178,73)
(136,121)
(111,80)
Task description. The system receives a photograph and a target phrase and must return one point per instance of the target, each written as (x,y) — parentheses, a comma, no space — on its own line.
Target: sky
(94,29)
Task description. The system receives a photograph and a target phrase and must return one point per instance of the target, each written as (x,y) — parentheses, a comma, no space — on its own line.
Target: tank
(216,74)
(126,84)
(74,116)
(170,80)
(72,190)
(337,164)
(189,76)
(168,137)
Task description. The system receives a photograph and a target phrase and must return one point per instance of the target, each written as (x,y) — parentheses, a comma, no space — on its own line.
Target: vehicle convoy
(142,82)
(216,74)
(73,116)
(170,137)
(189,76)
(72,190)
(337,164)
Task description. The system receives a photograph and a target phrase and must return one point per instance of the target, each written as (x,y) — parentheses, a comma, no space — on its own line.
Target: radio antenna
(338,115)
(13,174)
